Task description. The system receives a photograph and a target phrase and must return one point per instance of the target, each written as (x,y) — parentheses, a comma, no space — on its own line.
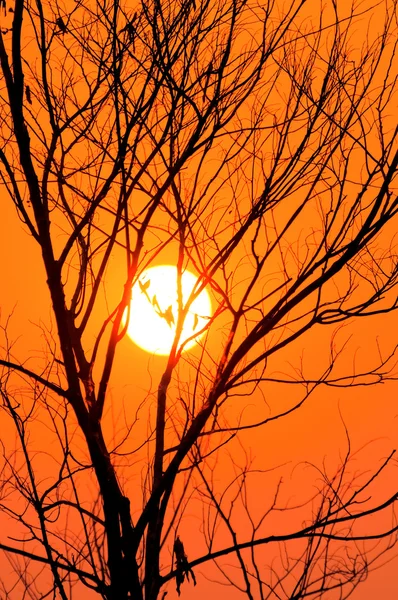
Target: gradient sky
(315,434)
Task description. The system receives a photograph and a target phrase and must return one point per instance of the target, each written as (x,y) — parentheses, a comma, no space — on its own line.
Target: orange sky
(315,434)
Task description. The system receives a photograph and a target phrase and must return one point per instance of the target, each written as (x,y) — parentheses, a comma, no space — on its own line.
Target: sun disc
(154,310)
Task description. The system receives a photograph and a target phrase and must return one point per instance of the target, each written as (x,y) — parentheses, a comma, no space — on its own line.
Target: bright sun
(154,311)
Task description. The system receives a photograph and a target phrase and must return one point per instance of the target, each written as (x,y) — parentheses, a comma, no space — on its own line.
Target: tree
(253,144)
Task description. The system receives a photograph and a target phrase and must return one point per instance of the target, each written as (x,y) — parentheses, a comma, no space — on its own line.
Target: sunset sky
(251,223)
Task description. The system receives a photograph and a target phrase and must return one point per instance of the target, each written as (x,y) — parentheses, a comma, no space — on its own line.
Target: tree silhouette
(253,144)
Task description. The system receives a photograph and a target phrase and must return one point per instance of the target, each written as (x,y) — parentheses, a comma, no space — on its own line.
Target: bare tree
(255,145)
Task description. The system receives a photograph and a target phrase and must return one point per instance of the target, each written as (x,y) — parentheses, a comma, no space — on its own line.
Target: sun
(154,310)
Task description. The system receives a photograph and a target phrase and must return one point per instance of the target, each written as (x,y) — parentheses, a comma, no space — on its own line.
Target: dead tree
(254,145)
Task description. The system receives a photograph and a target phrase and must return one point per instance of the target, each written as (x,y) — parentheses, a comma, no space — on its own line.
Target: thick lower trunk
(123,569)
